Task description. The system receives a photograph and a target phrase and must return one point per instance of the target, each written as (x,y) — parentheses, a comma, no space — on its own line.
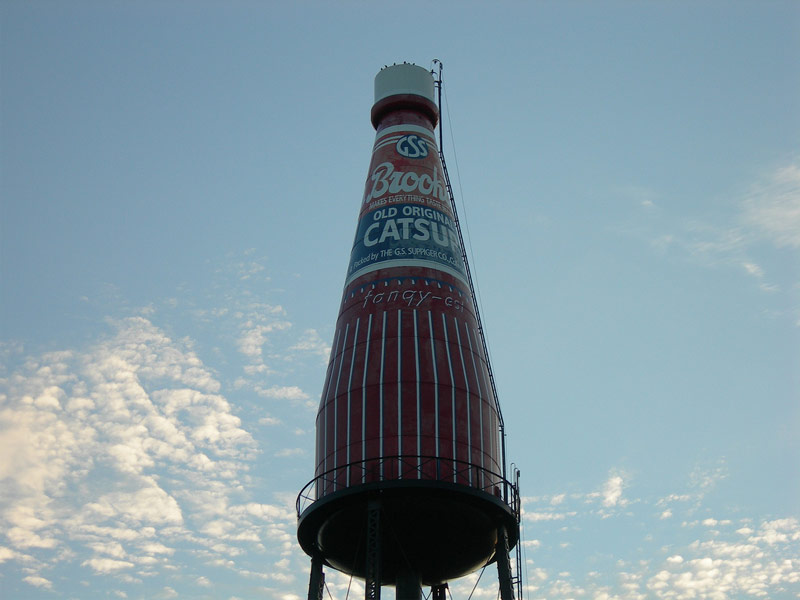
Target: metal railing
(405,467)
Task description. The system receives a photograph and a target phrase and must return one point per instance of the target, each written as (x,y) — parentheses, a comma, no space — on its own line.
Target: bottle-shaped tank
(407,414)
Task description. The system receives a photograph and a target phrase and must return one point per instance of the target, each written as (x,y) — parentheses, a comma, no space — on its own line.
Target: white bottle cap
(404,79)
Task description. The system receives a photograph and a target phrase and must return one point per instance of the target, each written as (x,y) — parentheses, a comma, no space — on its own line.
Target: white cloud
(123,458)
(772,207)
(311,342)
(674,498)
(779,531)
(763,217)
(168,592)
(250,269)
(675,559)
(252,339)
(6,554)
(545,516)
(254,335)
(612,491)
(111,548)
(722,569)
(24,539)
(107,450)
(268,512)
(705,477)
(286,452)
(149,504)
(290,392)
(156,548)
(107,565)
(726,560)
(753,269)
(38,581)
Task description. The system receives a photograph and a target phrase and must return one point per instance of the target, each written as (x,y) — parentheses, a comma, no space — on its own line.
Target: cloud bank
(121,459)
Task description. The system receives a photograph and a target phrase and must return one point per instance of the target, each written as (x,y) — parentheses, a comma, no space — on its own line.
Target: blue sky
(180,186)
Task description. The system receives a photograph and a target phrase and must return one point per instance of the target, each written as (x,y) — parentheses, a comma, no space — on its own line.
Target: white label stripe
(435,387)
(410,262)
(452,394)
(325,403)
(364,402)
(399,388)
(466,385)
(349,401)
(380,387)
(336,409)
(417,375)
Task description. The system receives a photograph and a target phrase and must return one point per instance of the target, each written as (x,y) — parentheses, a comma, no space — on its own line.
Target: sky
(180,183)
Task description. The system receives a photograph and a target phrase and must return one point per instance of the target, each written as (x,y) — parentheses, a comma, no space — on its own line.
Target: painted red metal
(407,375)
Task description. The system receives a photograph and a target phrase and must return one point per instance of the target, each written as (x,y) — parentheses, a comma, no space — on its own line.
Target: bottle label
(407,235)
(406,219)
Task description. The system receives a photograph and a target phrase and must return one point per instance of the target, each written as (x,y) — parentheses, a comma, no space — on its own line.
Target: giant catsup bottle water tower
(410,485)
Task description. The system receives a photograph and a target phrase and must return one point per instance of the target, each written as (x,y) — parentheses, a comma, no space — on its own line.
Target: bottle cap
(404,86)
(404,79)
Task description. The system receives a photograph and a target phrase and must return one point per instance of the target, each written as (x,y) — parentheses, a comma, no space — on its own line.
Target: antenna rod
(438,83)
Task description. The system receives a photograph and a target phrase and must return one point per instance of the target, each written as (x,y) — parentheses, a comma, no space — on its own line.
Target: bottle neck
(405,104)
(404,117)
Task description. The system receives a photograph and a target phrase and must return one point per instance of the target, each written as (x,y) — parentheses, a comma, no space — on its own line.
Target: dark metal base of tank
(439,530)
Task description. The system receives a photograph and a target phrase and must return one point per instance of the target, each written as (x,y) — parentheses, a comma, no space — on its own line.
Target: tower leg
(316,582)
(372,581)
(504,566)
(439,592)
(408,586)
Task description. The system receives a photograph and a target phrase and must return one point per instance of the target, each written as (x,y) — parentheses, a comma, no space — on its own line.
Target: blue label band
(406,235)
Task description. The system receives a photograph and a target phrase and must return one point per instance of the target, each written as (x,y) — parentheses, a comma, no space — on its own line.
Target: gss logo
(412,146)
